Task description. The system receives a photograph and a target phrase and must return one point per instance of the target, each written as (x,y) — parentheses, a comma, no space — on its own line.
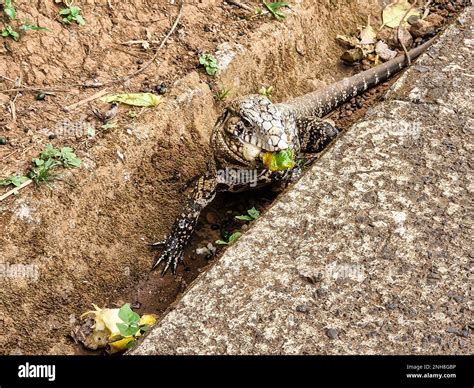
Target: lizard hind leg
(316,134)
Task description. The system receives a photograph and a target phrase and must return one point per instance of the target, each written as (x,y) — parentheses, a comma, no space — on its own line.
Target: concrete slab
(371,251)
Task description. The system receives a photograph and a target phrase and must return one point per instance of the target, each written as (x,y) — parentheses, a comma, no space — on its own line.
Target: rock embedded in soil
(332,333)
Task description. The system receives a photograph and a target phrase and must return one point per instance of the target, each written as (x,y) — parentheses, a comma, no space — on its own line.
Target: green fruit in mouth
(279,161)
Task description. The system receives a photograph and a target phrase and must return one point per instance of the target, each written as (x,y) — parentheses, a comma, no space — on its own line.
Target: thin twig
(35,89)
(15,190)
(427,9)
(400,26)
(95,96)
(240,5)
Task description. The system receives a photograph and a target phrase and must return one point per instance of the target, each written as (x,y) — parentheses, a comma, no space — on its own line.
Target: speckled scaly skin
(252,126)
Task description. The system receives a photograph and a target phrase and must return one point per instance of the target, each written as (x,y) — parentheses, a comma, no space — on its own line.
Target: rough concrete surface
(370,252)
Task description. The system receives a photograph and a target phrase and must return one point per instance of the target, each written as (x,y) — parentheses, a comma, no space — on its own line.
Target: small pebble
(3,141)
(332,333)
(453,330)
(302,308)
(321,292)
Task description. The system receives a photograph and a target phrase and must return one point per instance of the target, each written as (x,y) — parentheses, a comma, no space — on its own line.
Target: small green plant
(15,180)
(27,26)
(231,239)
(65,156)
(252,215)
(9,9)
(222,93)
(131,326)
(8,31)
(266,91)
(72,14)
(274,8)
(40,172)
(130,318)
(209,62)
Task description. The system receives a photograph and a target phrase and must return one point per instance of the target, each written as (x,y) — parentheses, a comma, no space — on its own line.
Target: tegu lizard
(252,129)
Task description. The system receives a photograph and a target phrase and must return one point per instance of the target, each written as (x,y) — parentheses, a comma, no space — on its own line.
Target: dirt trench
(86,238)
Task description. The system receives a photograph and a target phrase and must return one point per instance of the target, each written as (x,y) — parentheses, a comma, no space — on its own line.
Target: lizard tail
(321,102)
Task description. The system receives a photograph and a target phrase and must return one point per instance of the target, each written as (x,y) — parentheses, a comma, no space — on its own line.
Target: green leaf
(38,162)
(244,218)
(50,152)
(209,62)
(127,330)
(234,237)
(9,10)
(221,242)
(15,180)
(254,213)
(8,31)
(65,11)
(127,315)
(69,158)
(134,99)
(71,14)
(274,7)
(27,26)
(80,20)
(75,11)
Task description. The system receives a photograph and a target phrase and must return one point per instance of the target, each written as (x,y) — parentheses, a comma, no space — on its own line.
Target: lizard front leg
(315,134)
(183,227)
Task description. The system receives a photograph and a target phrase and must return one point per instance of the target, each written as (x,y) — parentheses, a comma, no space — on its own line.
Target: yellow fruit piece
(147,319)
(105,320)
(279,161)
(120,345)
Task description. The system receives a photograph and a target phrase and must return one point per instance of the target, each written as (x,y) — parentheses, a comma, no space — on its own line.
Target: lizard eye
(246,122)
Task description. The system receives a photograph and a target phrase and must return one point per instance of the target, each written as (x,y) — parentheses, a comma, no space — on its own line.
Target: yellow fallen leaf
(135,99)
(393,14)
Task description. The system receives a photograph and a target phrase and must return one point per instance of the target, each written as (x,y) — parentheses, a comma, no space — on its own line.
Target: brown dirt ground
(88,235)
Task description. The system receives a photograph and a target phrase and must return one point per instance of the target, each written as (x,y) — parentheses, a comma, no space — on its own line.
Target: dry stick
(427,9)
(240,5)
(35,89)
(407,56)
(95,96)
(132,42)
(15,190)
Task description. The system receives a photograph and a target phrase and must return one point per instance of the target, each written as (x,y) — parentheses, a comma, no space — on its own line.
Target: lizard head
(252,126)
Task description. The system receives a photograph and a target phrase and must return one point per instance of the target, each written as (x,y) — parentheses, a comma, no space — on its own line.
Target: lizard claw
(172,256)
(157,244)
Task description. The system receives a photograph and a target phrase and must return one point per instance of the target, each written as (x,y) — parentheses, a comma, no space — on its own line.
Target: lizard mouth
(248,145)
